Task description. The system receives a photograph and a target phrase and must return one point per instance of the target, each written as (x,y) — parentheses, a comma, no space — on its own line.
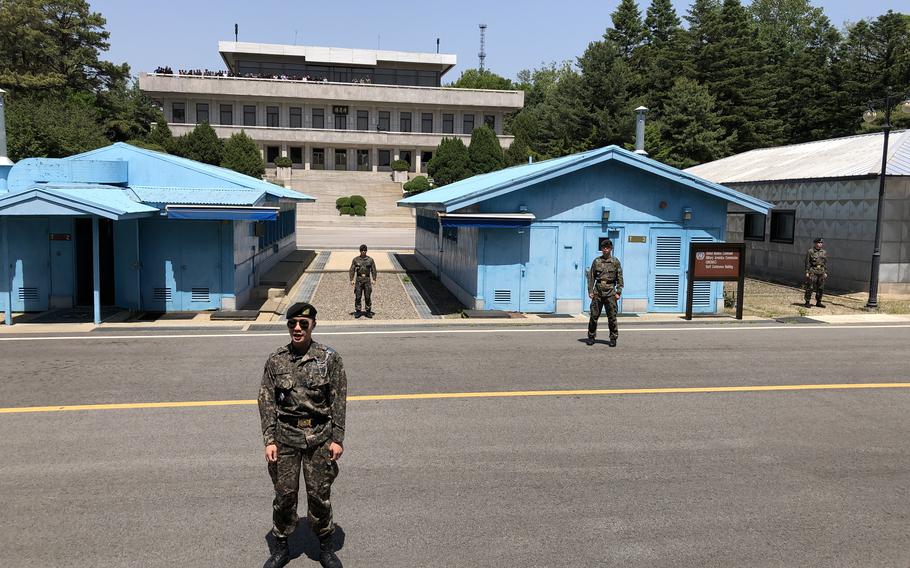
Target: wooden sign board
(717,262)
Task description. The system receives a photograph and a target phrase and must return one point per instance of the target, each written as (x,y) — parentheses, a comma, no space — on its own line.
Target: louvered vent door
(701,291)
(666,270)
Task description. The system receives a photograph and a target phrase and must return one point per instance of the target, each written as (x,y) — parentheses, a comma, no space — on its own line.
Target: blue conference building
(138,229)
(523,238)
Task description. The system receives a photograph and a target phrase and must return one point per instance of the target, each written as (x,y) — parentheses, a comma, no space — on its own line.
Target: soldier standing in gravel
(362,270)
(604,288)
(302,403)
(816,272)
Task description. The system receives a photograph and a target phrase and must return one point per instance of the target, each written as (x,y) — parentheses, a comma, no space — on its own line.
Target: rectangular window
(296,155)
(384,159)
(249,115)
(363,160)
(318,162)
(227,114)
(271,152)
(385,120)
(427,79)
(448,123)
(467,126)
(384,76)
(363,120)
(202,113)
(341,122)
(490,121)
(754,227)
(271,116)
(426,122)
(178,113)
(404,122)
(425,158)
(341,159)
(318,118)
(295,114)
(782,226)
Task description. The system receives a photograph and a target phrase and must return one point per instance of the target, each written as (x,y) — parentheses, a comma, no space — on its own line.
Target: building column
(96,272)
(7,288)
(306,157)
(417,161)
(284,150)
(374,159)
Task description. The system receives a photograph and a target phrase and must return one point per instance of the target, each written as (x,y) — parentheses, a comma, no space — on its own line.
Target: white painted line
(668,329)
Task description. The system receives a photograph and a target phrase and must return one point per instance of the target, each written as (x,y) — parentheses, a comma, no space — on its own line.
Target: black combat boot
(327,556)
(819,304)
(369,314)
(281,555)
(590,341)
(612,343)
(807,304)
(357,313)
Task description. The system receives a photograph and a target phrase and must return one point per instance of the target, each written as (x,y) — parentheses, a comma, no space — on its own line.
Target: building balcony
(336,138)
(233,87)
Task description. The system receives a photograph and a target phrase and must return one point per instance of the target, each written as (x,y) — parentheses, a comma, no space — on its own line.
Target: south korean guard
(363,269)
(604,288)
(302,403)
(816,272)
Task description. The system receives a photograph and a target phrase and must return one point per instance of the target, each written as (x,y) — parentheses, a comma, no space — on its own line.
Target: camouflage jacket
(605,275)
(363,268)
(817,261)
(303,398)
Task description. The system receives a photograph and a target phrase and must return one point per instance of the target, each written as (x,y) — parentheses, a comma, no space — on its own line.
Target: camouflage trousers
(603,302)
(319,471)
(364,289)
(815,282)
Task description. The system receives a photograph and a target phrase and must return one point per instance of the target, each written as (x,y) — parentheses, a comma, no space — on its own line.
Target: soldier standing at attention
(604,288)
(816,272)
(362,270)
(302,404)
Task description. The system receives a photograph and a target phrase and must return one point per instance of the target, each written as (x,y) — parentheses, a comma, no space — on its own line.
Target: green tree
(43,124)
(518,152)
(662,55)
(126,112)
(607,84)
(627,31)
(201,144)
(450,162)
(689,132)
(242,155)
(477,79)
(485,151)
(160,135)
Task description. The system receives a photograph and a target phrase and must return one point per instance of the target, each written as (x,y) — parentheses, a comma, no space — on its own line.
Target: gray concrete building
(330,108)
(825,189)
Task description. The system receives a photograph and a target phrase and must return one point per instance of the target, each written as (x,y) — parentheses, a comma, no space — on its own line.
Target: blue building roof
(106,201)
(486,186)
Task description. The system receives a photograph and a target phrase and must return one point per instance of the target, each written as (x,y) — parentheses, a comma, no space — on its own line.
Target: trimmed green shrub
(345,210)
(417,185)
(342,202)
(400,166)
(358,200)
(484,151)
(450,162)
(359,210)
(282,162)
(242,155)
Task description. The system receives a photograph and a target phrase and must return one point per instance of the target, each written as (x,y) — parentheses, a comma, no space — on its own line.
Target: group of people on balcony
(209,73)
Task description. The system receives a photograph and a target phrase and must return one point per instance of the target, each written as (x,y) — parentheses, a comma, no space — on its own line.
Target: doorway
(85,264)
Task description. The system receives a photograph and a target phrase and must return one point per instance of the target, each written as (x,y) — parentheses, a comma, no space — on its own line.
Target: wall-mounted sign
(337,109)
(638,239)
(717,262)
(61,237)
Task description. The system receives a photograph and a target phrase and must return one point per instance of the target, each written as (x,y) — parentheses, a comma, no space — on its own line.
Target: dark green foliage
(485,151)
(242,155)
(607,87)
(160,135)
(417,185)
(342,202)
(476,79)
(44,124)
(517,153)
(360,210)
(358,200)
(201,144)
(345,210)
(147,145)
(627,30)
(450,162)
(283,162)
(400,166)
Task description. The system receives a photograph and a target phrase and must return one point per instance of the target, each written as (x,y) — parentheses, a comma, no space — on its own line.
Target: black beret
(302,310)
(819,240)
(606,243)
(363,247)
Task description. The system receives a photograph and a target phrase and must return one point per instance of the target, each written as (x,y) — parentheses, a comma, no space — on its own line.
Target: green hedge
(417,185)
(282,162)
(359,210)
(343,202)
(345,211)
(400,166)
(358,200)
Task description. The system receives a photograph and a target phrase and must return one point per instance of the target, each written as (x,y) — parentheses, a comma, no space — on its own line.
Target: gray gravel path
(334,298)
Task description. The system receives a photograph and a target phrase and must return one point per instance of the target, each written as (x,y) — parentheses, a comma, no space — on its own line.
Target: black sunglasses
(304,324)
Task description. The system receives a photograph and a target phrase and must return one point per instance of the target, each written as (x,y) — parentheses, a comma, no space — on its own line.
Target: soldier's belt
(300,422)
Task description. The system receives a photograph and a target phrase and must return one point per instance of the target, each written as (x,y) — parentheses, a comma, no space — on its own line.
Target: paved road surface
(320,238)
(800,478)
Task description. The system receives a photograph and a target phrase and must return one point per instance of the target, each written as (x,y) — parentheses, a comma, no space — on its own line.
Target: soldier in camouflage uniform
(362,269)
(302,404)
(604,288)
(816,272)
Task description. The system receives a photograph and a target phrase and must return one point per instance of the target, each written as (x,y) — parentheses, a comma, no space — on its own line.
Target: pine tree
(702,18)
(607,88)
(485,151)
(627,30)
(201,144)
(450,162)
(161,136)
(518,152)
(242,155)
(662,55)
(689,131)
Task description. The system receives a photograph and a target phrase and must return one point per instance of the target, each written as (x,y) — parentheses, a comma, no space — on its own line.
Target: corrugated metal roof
(114,202)
(478,188)
(197,196)
(852,156)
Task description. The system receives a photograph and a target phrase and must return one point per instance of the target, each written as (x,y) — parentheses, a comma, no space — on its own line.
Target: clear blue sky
(184,34)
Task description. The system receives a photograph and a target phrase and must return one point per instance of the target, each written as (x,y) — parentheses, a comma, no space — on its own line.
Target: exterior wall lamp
(605,216)
(687,213)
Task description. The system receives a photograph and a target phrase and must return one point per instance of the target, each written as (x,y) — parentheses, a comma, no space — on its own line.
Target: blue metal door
(159,254)
(199,280)
(502,269)
(29,256)
(538,273)
(666,287)
(593,236)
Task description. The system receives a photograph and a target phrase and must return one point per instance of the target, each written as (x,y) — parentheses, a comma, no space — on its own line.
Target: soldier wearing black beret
(816,272)
(302,403)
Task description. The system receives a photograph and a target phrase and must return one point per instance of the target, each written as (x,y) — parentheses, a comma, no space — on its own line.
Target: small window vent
(537,296)
(162,294)
(502,296)
(200,295)
(28,294)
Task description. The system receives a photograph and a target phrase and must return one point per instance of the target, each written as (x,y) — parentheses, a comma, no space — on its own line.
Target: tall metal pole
(872,304)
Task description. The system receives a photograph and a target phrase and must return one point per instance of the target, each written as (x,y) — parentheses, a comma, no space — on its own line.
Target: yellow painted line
(482,394)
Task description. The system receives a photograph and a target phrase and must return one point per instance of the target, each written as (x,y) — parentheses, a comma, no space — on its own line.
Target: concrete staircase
(377,188)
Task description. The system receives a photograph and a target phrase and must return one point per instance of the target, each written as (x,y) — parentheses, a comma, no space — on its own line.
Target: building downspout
(4,269)
(96,272)
(138,272)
